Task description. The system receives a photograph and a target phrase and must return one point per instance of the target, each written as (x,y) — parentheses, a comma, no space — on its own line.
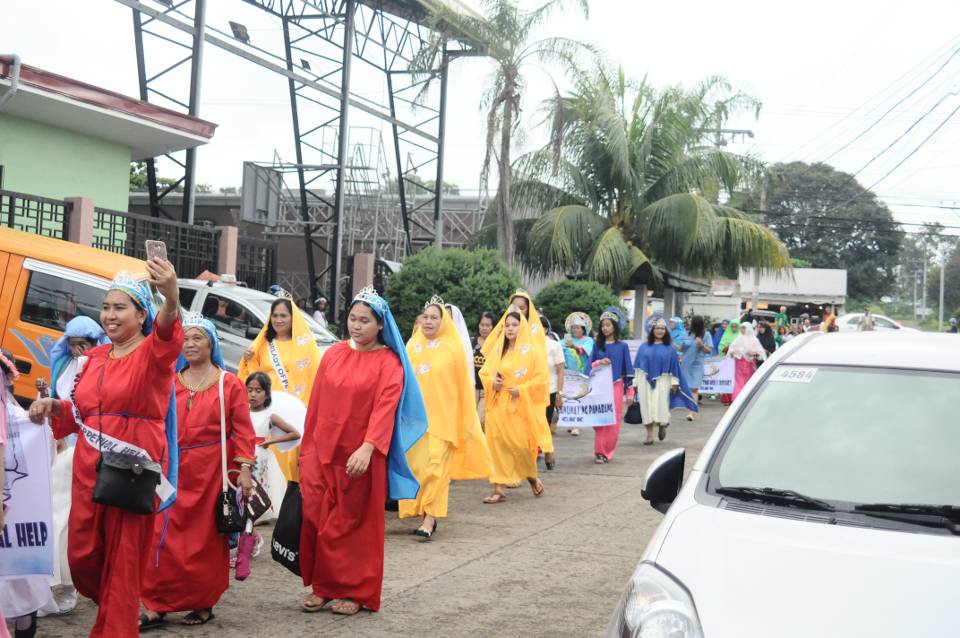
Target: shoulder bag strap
(223,433)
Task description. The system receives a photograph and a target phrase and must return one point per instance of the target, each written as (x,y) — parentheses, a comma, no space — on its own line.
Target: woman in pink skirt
(746,351)
(609,350)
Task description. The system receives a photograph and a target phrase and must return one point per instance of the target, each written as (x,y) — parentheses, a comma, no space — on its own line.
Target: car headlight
(655,605)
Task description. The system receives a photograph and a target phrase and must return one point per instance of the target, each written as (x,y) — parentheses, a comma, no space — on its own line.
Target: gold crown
(435,300)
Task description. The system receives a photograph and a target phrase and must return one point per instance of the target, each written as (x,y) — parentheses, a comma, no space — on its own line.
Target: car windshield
(325,335)
(854,435)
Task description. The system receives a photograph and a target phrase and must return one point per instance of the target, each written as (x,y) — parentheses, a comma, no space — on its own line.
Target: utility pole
(914,277)
(755,297)
(943,268)
(923,292)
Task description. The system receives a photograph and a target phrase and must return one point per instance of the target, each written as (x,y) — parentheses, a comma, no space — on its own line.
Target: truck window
(186,297)
(52,301)
(230,316)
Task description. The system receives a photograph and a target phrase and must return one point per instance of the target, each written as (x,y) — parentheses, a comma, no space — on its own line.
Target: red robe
(190,560)
(109,547)
(354,399)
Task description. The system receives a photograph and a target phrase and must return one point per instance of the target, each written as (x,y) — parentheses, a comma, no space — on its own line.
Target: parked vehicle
(849,322)
(824,504)
(46,283)
(238,313)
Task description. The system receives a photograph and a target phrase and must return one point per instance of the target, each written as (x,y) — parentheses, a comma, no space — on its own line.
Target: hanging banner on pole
(718,376)
(587,400)
(26,539)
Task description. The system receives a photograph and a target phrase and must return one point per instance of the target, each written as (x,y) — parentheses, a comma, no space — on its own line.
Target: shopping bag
(285,545)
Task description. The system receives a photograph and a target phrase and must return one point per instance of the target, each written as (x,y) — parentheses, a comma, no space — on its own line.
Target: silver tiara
(192,320)
(435,300)
(284,294)
(369,295)
(611,316)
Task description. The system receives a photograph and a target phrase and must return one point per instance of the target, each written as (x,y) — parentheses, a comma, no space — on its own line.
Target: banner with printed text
(587,401)
(718,376)
(26,539)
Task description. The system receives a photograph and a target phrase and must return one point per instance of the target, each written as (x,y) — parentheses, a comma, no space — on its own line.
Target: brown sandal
(537,488)
(314,607)
(496,497)
(345,607)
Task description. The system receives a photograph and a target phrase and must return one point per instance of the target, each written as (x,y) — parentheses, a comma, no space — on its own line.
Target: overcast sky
(825,70)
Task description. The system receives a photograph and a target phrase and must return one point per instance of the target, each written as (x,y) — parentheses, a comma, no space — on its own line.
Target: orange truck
(45,283)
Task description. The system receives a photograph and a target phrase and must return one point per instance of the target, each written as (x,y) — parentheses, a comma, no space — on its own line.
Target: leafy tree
(627,182)
(559,299)
(138,181)
(504,34)
(826,218)
(473,280)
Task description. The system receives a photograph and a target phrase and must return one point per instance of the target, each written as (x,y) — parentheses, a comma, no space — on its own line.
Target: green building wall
(39,159)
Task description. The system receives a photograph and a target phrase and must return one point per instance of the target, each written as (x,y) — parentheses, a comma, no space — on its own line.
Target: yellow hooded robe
(299,359)
(539,343)
(455,447)
(514,425)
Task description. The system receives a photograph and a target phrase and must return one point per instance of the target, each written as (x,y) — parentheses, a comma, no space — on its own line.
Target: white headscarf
(746,343)
(461,326)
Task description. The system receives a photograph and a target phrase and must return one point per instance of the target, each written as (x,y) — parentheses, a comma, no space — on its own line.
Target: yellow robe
(513,426)
(539,342)
(300,356)
(455,447)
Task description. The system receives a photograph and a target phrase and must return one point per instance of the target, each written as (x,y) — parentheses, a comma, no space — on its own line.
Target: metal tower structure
(322,39)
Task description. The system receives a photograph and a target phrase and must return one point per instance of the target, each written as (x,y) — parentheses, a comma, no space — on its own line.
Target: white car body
(849,323)
(755,571)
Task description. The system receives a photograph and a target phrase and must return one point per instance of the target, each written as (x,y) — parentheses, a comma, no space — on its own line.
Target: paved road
(527,567)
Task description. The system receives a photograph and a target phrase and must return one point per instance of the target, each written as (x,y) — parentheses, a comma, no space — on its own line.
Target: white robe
(655,401)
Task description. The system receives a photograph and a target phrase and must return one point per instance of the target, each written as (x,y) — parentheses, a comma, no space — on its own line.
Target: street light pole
(943,268)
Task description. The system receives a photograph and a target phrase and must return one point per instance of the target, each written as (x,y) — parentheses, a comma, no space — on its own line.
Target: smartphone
(156,249)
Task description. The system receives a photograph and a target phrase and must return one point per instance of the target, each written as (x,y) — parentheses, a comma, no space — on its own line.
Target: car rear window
(849,434)
(52,301)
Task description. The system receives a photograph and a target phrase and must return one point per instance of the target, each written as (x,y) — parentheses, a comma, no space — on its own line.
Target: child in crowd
(268,472)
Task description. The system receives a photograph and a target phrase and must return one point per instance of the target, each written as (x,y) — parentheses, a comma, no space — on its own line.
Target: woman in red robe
(190,568)
(365,412)
(123,391)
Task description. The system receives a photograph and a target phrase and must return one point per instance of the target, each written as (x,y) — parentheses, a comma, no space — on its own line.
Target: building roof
(904,350)
(149,130)
(420,10)
(813,285)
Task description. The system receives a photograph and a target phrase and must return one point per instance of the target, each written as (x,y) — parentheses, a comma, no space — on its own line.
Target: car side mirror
(663,479)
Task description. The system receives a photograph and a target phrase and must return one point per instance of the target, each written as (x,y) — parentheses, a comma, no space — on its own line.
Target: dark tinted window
(230,316)
(186,297)
(52,301)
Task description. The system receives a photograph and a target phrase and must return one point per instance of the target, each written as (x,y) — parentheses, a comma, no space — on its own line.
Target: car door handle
(22,366)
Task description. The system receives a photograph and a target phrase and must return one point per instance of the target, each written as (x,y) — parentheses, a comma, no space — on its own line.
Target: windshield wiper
(941,516)
(776,496)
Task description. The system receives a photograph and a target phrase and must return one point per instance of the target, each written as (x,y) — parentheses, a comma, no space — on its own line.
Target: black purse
(228,512)
(633,415)
(124,480)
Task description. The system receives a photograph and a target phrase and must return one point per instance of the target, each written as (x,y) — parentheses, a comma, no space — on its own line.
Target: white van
(826,503)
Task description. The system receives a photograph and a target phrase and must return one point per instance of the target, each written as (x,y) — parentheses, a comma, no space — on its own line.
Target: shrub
(559,299)
(473,280)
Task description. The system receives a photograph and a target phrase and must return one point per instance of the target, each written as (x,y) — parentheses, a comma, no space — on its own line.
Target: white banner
(587,401)
(26,540)
(718,376)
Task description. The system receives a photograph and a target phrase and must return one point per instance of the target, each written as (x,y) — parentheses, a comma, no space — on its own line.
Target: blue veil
(411,420)
(198,321)
(140,294)
(80,326)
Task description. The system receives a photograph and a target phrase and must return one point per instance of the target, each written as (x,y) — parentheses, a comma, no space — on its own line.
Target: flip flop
(344,610)
(193,619)
(310,609)
(146,622)
(538,492)
(496,497)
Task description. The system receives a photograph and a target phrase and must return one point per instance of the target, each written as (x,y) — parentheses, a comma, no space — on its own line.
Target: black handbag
(259,502)
(228,512)
(633,415)
(124,480)
(285,544)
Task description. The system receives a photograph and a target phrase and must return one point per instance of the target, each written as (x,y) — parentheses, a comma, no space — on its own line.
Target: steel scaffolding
(321,41)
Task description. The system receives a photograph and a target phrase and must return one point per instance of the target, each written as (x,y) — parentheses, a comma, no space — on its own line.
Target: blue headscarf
(411,420)
(198,321)
(140,294)
(678,333)
(80,327)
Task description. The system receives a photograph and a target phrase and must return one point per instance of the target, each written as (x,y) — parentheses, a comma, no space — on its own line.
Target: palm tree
(504,34)
(627,182)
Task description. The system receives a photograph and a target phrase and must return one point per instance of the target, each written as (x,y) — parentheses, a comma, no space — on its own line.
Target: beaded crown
(611,316)
(435,300)
(192,320)
(369,296)
(124,279)
(284,294)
